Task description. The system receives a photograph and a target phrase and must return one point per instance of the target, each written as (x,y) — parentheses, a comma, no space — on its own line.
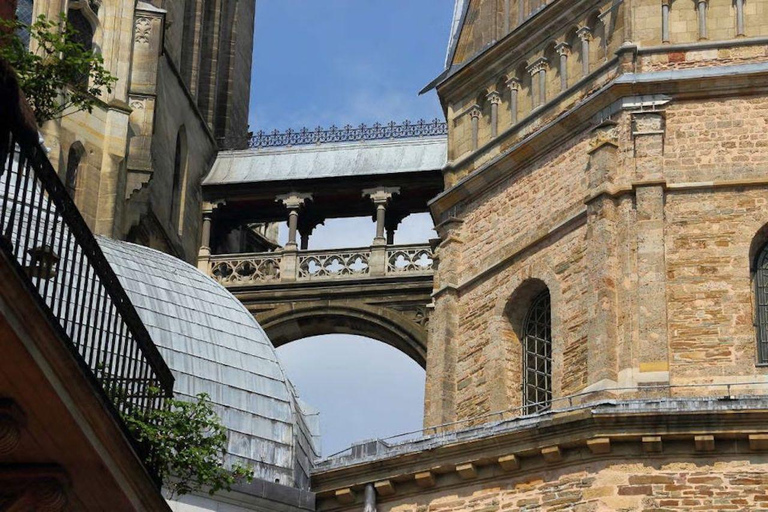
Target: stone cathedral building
(134,165)
(592,318)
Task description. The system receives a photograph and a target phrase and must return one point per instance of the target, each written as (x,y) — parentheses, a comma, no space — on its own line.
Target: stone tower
(135,164)
(600,325)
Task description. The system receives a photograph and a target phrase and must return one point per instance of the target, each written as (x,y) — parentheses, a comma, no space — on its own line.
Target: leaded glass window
(537,347)
(761,303)
(24,10)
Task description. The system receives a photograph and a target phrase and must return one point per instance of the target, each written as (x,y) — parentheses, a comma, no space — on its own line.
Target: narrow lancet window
(537,348)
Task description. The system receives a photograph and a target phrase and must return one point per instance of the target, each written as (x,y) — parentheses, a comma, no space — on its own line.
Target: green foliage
(61,76)
(189,443)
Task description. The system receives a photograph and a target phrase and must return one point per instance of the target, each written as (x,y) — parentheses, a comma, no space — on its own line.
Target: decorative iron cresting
(349,133)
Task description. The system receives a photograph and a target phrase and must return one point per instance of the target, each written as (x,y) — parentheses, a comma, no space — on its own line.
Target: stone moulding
(677,428)
(724,79)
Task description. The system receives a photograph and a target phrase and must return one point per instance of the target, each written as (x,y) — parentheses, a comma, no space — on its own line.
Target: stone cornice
(723,80)
(603,430)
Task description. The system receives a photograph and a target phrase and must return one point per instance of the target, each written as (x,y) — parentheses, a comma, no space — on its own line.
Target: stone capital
(210,206)
(293,200)
(563,48)
(475,112)
(381,195)
(538,65)
(493,96)
(584,33)
(513,82)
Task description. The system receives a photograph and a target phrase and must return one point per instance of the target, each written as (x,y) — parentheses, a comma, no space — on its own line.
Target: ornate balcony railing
(56,255)
(392,130)
(334,264)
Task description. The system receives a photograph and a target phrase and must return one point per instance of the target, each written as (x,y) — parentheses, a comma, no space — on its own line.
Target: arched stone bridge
(381,290)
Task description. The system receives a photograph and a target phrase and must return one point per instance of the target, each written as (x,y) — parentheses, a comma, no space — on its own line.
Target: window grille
(537,346)
(761,302)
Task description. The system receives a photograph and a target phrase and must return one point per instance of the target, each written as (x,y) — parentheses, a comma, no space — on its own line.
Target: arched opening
(179,189)
(404,331)
(527,333)
(537,355)
(362,388)
(72,176)
(84,21)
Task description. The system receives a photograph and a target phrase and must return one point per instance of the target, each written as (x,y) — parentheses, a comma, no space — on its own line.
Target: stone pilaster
(142,96)
(603,273)
(651,343)
(443,337)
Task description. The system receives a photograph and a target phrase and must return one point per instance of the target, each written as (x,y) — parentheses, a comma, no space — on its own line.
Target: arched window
(179,190)
(74,158)
(537,355)
(83,20)
(83,28)
(761,305)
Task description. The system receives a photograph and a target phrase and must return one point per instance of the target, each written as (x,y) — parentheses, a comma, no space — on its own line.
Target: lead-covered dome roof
(214,345)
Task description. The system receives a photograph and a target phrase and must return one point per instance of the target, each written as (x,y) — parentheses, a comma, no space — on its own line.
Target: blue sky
(346,61)
(324,62)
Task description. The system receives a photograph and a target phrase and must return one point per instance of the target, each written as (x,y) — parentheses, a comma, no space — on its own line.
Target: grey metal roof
(214,345)
(329,161)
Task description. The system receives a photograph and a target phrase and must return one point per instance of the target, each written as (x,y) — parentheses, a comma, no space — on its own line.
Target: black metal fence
(305,136)
(57,256)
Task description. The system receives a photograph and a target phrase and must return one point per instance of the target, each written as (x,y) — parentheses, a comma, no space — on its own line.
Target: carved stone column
(740,30)
(293,202)
(701,9)
(204,254)
(665,21)
(563,50)
(307,222)
(380,197)
(538,72)
(474,114)
(514,94)
(585,35)
(494,98)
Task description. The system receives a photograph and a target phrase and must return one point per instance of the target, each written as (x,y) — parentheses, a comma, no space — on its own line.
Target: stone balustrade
(300,266)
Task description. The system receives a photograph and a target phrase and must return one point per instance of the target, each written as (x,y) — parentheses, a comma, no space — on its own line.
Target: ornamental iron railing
(349,133)
(46,240)
(290,266)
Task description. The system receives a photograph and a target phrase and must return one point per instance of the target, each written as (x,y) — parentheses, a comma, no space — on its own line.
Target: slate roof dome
(214,345)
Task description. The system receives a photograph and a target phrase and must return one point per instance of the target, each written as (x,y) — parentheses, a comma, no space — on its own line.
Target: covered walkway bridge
(376,289)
